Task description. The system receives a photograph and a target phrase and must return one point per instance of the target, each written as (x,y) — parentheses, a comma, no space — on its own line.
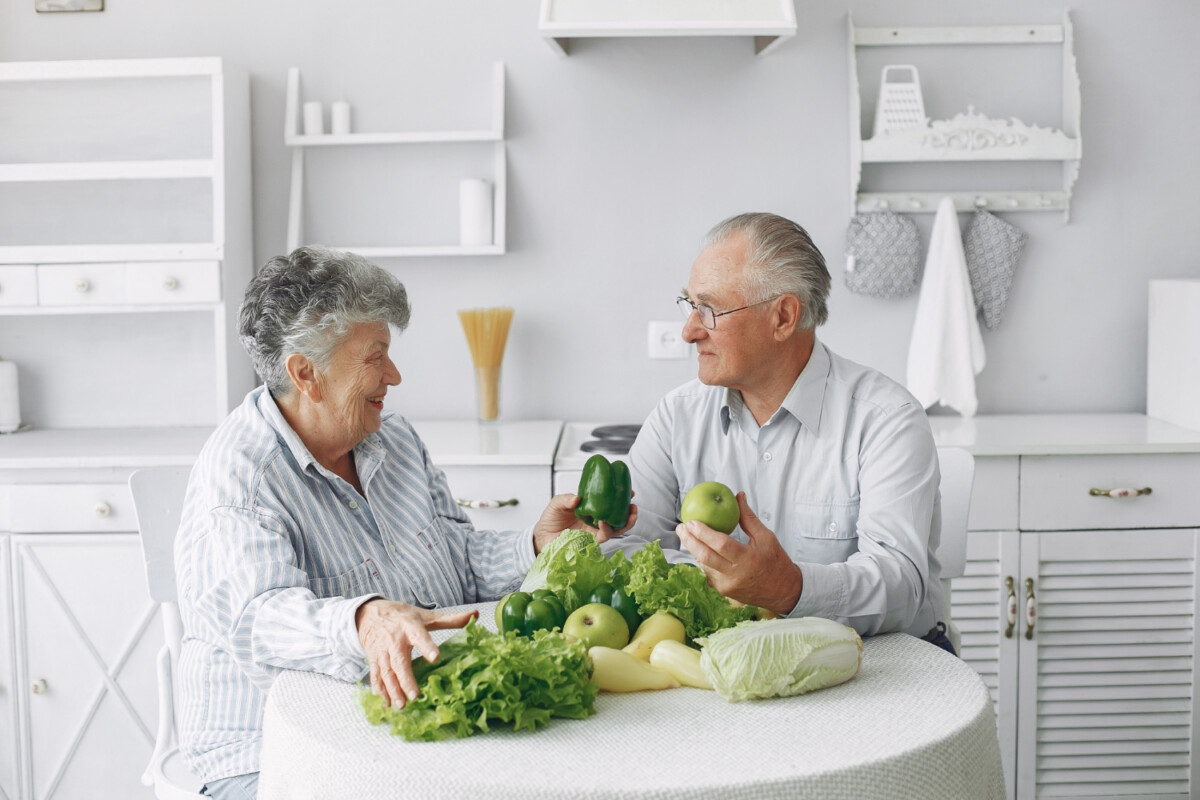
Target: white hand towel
(946,351)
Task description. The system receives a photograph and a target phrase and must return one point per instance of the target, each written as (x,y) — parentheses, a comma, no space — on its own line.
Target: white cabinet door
(89,635)
(8,705)
(1106,702)
(979,604)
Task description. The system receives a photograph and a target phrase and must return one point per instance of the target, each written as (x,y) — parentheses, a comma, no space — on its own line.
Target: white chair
(958,476)
(158,501)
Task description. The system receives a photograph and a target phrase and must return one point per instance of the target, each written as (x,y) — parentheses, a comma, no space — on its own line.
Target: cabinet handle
(485,503)
(1030,608)
(170,283)
(1011,608)
(1118,492)
(39,686)
(102,509)
(82,286)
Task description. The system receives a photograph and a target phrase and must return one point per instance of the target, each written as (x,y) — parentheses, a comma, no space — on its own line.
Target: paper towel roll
(339,118)
(475,211)
(314,118)
(10,405)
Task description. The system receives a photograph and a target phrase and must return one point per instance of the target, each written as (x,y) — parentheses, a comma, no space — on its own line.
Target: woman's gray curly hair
(306,302)
(788,263)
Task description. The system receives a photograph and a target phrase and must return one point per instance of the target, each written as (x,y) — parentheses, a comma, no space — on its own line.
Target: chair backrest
(958,476)
(158,502)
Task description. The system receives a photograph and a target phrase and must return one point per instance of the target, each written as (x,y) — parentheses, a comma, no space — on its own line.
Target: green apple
(713,504)
(598,625)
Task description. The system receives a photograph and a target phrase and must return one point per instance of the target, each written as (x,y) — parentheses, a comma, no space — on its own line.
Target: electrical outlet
(663,340)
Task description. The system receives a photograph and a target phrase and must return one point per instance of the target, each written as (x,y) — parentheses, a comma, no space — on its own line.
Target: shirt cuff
(524,553)
(345,638)
(822,593)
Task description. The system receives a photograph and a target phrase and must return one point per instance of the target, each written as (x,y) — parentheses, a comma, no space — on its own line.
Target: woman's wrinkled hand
(389,631)
(560,516)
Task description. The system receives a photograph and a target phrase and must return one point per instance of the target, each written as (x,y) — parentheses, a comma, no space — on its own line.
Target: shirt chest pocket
(824,533)
(352,583)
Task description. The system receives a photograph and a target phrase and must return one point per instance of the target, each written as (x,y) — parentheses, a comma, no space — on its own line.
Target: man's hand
(560,516)
(389,631)
(758,573)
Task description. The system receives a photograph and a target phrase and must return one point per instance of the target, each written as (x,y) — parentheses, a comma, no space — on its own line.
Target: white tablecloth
(914,723)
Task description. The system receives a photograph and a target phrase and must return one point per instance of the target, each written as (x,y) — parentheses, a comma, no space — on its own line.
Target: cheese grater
(900,105)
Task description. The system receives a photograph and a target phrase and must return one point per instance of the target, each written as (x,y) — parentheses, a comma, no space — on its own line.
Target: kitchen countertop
(473,443)
(1062,434)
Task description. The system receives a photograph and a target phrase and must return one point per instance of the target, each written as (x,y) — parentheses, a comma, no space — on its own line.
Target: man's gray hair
(306,302)
(787,262)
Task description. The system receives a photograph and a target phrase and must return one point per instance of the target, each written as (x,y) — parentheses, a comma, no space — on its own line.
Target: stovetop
(580,440)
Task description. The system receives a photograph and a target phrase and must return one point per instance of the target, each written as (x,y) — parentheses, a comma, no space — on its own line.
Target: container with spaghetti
(487,333)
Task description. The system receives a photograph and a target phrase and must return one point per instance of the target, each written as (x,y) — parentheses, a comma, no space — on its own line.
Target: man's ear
(304,376)
(787,316)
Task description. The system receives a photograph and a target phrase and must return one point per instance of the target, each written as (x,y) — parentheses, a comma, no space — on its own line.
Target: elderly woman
(316,533)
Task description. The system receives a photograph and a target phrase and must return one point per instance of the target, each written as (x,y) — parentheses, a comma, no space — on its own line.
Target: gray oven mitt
(992,248)
(883,255)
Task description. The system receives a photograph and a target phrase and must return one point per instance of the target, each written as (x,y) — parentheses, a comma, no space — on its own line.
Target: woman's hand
(389,631)
(560,516)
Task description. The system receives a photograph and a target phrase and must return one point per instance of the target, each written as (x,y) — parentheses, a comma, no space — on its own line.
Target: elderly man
(834,464)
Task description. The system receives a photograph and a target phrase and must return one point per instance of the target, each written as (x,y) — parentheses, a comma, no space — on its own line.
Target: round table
(915,722)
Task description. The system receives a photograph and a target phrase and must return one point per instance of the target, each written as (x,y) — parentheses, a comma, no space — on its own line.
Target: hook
(1012,202)
(980,201)
(881,204)
(914,204)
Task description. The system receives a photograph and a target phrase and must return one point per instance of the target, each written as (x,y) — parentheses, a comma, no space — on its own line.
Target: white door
(89,634)
(1106,702)
(8,705)
(979,603)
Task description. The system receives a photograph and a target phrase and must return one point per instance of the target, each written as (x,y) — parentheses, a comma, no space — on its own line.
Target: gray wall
(624,153)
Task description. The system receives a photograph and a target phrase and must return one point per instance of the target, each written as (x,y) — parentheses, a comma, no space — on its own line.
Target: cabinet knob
(82,286)
(103,509)
(39,686)
(486,503)
(170,283)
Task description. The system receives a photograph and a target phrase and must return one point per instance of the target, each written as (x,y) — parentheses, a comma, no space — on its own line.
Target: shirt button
(767,516)
(391,548)
(766,456)
(832,527)
(354,504)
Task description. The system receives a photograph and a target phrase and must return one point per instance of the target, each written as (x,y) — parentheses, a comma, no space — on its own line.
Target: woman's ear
(787,316)
(304,376)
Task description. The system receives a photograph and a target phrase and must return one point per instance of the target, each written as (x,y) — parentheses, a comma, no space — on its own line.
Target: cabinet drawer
(173,282)
(528,485)
(18,285)
(71,507)
(994,494)
(1055,491)
(81,284)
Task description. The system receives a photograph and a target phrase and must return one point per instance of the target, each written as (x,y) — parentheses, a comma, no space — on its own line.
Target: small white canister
(10,404)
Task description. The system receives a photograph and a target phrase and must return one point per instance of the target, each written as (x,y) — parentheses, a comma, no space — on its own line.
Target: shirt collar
(804,400)
(369,446)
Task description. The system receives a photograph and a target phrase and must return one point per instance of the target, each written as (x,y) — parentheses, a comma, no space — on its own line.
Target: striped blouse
(275,554)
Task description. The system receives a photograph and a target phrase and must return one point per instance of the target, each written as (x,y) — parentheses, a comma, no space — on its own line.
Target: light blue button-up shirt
(275,554)
(845,473)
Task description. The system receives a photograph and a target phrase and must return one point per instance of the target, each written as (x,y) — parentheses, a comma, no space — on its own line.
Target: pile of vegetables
(681,632)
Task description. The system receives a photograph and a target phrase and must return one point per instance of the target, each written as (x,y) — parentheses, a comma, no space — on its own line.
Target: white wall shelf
(968,136)
(768,22)
(299,142)
(125,190)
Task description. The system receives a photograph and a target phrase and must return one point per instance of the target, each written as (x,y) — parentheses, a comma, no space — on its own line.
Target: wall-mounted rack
(969,136)
(495,133)
(768,22)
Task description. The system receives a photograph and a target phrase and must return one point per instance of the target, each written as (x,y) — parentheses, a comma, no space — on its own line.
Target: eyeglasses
(708,317)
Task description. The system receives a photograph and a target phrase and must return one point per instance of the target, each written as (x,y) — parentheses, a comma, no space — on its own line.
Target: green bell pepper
(604,492)
(525,613)
(607,595)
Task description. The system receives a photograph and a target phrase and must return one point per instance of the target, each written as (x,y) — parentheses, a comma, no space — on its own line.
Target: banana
(681,661)
(654,629)
(618,671)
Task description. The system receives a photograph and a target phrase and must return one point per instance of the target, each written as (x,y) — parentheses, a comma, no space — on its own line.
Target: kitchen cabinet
(80,635)
(768,22)
(500,472)
(125,195)
(969,136)
(1077,608)
(300,143)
